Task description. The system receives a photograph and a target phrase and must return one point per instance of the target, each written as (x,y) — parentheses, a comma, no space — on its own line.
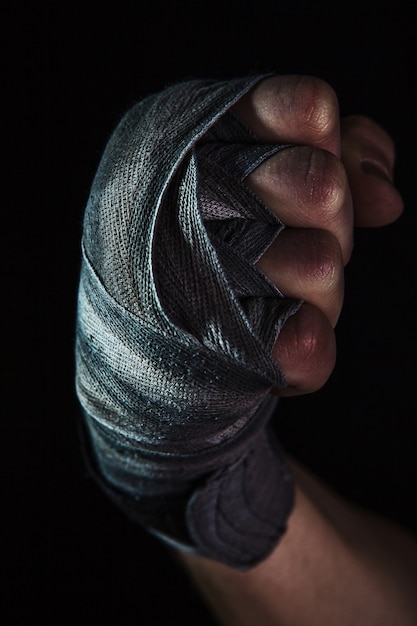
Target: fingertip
(368,154)
(376,201)
(378,205)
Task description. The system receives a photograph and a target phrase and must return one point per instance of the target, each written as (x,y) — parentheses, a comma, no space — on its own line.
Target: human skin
(336,565)
(338,177)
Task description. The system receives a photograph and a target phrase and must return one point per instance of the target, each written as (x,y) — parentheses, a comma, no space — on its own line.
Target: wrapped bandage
(175,327)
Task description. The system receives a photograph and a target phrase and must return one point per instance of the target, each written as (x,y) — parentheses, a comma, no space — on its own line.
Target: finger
(368,154)
(307,188)
(293,109)
(306,351)
(306,264)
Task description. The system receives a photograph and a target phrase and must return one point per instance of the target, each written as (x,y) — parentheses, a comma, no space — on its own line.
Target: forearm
(335,566)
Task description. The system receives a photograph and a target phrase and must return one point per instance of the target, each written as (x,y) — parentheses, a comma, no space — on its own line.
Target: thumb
(368,154)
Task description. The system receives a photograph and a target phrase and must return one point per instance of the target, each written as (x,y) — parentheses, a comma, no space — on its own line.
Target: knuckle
(317,104)
(319,273)
(325,182)
(323,268)
(306,347)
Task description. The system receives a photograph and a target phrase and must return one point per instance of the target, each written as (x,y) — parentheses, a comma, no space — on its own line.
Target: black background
(69,72)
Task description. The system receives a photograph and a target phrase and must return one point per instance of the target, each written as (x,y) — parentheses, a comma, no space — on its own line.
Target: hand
(338,176)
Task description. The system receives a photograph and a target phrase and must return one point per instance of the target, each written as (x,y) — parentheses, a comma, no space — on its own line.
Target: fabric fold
(175,326)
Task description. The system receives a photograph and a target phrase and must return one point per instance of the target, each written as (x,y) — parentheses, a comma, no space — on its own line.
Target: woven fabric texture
(175,326)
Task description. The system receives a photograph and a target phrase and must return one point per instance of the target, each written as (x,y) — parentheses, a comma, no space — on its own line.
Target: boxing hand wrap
(175,327)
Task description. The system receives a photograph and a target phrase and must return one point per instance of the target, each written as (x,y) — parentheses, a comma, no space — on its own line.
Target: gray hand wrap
(175,327)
